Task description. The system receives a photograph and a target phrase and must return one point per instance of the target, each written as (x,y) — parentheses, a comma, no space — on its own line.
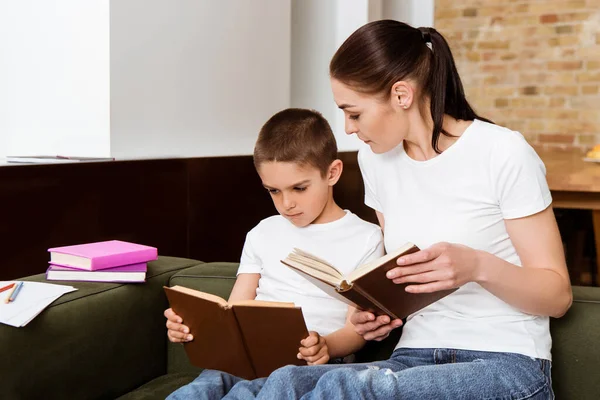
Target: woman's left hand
(439,267)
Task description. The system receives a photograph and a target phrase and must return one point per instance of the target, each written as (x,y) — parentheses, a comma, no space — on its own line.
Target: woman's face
(377,122)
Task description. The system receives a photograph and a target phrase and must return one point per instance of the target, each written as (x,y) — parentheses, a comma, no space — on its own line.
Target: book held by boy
(249,339)
(367,287)
(101,255)
(126,273)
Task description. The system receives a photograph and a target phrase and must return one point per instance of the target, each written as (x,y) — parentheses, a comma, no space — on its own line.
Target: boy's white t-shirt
(463,196)
(345,243)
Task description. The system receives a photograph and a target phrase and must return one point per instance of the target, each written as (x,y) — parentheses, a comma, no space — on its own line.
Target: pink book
(102,255)
(126,273)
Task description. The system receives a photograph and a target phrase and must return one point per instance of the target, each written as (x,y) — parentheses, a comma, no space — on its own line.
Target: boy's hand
(177,332)
(314,349)
(372,327)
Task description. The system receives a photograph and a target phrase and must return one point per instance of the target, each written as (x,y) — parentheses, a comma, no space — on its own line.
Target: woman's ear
(402,95)
(334,172)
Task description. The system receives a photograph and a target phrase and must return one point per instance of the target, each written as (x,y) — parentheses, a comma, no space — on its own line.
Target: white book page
(310,260)
(366,268)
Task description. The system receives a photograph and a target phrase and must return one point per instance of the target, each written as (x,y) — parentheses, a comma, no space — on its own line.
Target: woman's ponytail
(381,53)
(444,87)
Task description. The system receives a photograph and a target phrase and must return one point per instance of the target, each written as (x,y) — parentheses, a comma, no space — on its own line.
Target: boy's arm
(245,287)
(316,349)
(344,341)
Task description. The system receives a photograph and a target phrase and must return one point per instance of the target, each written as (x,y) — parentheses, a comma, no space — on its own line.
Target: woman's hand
(371,327)
(440,267)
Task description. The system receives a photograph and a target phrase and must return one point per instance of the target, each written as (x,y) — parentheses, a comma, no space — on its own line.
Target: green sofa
(108,341)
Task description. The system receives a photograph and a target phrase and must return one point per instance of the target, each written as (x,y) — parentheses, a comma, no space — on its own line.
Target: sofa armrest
(216,278)
(575,350)
(98,342)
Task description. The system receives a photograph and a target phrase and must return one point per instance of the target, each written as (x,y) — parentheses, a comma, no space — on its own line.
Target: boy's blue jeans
(408,374)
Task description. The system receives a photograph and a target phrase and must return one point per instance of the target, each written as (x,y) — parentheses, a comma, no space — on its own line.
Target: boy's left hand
(314,349)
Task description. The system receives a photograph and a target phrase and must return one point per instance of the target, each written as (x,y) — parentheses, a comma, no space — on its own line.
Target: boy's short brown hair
(296,135)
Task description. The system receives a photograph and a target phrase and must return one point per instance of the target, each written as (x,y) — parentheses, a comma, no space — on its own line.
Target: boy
(296,158)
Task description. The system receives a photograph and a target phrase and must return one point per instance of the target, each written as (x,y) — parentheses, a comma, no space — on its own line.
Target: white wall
(351,15)
(417,13)
(158,78)
(312,46)
(54,78)
(141,78)
(196,78)
(318,29)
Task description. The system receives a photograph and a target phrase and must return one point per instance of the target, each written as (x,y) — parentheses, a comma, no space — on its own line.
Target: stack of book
(109,261)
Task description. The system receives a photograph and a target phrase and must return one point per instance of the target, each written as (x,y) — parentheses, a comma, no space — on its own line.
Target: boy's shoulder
(271,224)
(361,223)
(351,225)
(277,224)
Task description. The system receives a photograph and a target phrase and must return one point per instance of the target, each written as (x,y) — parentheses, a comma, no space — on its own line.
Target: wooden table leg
(596,219)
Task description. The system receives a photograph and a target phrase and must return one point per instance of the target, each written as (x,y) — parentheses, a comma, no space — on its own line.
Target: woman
(474,196)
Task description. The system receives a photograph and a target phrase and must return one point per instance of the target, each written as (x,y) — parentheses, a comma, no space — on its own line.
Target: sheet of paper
(33,298)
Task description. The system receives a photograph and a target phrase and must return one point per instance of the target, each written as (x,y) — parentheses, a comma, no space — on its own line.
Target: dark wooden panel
(54,205)
(200,208)
(227,199)
(350,191)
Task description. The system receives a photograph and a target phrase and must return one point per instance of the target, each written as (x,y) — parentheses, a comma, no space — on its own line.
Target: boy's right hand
(176,331)
(371,327)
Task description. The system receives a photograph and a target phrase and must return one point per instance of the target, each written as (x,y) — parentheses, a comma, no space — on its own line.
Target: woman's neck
(418,144)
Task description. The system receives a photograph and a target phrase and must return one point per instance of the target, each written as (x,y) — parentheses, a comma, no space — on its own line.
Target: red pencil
(6,287)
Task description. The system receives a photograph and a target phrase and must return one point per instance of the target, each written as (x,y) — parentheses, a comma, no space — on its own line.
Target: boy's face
(299,192)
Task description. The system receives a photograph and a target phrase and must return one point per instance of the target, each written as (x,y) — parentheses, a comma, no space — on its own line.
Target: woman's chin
(379,149)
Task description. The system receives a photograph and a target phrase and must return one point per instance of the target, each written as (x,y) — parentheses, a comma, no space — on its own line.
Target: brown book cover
(249,339)
(366,287)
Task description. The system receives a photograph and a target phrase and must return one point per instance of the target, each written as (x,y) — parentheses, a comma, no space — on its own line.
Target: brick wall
(530,65)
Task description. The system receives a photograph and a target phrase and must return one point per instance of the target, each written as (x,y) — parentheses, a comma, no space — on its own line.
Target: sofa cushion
(98,342)
(161,387)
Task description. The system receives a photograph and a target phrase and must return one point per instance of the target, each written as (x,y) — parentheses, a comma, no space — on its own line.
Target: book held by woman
(367,287)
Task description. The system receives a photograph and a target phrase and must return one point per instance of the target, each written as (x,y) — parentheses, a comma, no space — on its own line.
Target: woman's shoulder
(496,136)
(504,149)
(495,142)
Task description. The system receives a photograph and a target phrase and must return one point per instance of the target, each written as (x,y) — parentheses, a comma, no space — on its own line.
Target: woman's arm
(245,287)
(540,287)
(380,219)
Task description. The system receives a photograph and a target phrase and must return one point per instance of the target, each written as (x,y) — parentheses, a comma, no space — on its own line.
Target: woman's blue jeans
(408,374)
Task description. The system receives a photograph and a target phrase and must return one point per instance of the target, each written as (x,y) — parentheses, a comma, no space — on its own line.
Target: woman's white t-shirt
(463,196)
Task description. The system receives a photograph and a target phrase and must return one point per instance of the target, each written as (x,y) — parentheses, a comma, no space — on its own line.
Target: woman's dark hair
(381,53)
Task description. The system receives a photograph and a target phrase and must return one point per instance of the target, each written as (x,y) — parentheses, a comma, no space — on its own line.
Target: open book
(366,287)
(249,339)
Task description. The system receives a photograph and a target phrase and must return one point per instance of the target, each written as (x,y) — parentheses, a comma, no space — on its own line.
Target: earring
(405,107)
